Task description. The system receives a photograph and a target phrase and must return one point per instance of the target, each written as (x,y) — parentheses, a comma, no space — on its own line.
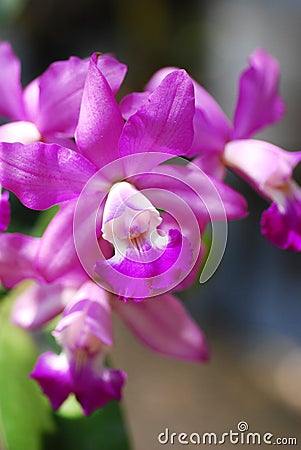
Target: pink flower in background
(258,105)
(269,169)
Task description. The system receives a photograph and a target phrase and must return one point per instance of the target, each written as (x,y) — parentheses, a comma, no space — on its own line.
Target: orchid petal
(158,77)
(39,304)
(92,384)
(162,324)
(53,375)
(263,164)
(100,388)
(212,164)
(4,211)
(31,95)
(165,122)
(211,127)
(259,103)
(22,131)
(58,240)
(208,198)
(154,271)
(113,70)
(282,227)
(42,175)
(61,88)
(11,104)
(100,121)
(91,308)
(132,102)
(17,258)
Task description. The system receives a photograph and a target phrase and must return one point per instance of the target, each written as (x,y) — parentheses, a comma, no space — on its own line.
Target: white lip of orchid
(130,220)
(21,131)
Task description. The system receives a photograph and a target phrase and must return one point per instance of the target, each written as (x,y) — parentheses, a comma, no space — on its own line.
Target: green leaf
(104,429)
(24,413)
(26,419)
(43,220)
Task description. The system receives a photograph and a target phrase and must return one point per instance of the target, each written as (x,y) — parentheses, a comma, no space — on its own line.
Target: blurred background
(250,310)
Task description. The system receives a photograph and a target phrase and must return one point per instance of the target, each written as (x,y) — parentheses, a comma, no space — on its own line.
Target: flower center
(129,219)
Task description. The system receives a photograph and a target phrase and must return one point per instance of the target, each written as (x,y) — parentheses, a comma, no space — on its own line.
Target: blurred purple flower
(85,334)
(258,105)
(269,169)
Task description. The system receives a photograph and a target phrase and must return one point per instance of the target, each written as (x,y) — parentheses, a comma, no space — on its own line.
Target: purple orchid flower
(218,144)
(162,324)
(85,331)
(110,151)
(269,170)
(48,108)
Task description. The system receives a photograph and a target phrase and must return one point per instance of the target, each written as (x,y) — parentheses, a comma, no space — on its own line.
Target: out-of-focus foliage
(26,419)
(9,9)
(24,413)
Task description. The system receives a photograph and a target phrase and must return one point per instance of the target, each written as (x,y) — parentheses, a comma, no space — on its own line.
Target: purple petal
(259,103)
(194,274)
(60,93)
(212,164)
(165,122)
(92,384)
(17,258)
(39,304)
(211,127)
(42,175)
(91,305)
(11,104)
(94,390)
(262,164)
(61,90)
(100,121)
(22,131)
(211,130)
(283,228)
(52,372)
(4,211)
(31,96)
(132,102)
(57,254)
(113,70)
(163,324)
(155,271)
(209,199)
